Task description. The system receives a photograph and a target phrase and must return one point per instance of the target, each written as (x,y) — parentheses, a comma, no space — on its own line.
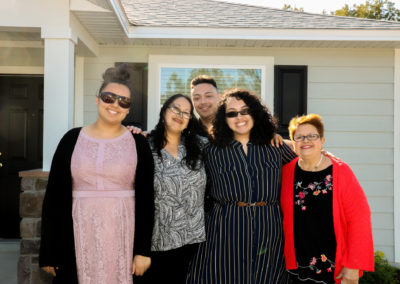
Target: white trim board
(156,62)
(21,44)
(396,161)
(22,70)
(263,34)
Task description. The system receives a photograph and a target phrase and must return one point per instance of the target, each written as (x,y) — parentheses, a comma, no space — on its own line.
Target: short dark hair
(189,135)
(312,119)
(119,74)
(203,79)
(264,125)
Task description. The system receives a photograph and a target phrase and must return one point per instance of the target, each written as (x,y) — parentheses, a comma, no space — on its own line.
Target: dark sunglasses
(231,114)
(110,98)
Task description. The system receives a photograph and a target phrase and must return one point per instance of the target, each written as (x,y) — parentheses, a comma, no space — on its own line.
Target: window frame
(157,62)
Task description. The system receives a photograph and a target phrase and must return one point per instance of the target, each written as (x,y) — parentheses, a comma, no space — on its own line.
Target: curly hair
(264,125)
(189,135)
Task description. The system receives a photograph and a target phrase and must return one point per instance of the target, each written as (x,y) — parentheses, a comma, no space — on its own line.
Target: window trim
(156,62)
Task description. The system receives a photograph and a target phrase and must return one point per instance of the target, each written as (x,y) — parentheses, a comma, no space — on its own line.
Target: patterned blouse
(314,236)
(179,201)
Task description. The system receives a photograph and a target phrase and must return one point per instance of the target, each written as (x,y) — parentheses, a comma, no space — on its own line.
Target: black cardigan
(57,247)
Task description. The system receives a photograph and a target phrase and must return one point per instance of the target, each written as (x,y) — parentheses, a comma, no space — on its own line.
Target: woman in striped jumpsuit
(244,226)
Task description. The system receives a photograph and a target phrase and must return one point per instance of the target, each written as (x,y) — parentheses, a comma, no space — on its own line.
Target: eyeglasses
(177,111)
(110,98)
(310,137)
(231,114)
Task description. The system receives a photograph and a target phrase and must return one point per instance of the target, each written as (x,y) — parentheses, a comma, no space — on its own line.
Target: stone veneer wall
(33,187)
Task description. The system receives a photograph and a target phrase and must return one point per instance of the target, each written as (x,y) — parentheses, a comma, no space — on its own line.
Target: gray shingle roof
(217,14)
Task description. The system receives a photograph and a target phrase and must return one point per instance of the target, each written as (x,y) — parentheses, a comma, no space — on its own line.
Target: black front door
(138,113)
(21,142)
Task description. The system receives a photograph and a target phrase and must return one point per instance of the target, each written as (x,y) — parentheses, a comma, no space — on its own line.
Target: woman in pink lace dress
(99,205)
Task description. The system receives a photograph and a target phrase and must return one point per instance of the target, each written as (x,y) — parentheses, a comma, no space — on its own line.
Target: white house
(348,70)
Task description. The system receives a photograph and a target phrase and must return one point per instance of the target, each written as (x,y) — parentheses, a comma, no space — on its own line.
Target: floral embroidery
(316,263)
(316,188)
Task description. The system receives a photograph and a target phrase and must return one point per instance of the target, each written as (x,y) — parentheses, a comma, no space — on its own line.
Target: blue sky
(313,6)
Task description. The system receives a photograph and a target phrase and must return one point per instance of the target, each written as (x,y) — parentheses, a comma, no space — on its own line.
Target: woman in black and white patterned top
(179,186)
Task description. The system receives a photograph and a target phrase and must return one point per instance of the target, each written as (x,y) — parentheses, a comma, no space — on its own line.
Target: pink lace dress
(103,173)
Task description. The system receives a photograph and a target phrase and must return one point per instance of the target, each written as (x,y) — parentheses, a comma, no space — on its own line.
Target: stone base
(33,187)
(30,273)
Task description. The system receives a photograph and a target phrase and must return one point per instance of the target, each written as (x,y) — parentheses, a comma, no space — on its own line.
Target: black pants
(168,266)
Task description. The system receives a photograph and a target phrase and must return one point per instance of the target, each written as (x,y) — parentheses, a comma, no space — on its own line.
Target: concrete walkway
(9,253)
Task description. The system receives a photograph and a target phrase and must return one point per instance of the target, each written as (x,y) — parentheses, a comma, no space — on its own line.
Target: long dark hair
(189,135)
(264,125)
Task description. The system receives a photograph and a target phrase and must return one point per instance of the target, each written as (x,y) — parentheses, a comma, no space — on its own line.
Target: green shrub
(384,273)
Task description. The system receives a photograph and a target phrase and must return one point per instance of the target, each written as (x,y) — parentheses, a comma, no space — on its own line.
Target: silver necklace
(317,165)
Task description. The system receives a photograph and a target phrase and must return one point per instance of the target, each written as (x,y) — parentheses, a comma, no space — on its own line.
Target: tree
(290,8)
(376,9)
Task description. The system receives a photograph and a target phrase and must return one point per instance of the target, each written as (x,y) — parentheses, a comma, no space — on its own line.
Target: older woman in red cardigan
(326,216)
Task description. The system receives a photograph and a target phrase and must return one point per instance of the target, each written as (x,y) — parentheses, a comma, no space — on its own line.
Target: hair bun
(122,72)
(118,73)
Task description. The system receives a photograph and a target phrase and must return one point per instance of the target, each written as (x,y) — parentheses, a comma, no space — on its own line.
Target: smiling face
(174,122)
(241,125)
(307,148)
(205,100)
(113,113)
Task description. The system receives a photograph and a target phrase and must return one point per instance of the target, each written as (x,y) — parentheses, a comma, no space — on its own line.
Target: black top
(314,236)
(202,131)
(57,247)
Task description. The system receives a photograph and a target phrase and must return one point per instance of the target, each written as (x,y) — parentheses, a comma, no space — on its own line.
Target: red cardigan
(351,219)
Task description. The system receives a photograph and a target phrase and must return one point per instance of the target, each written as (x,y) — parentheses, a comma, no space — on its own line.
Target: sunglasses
(110,98)
(231,114)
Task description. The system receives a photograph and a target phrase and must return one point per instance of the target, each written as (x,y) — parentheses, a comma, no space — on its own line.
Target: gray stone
(39,276)
(30,246)
(28,183)
(28,228)
(41,184)
(38,228)
(35,260)
(30,204)
(24,269)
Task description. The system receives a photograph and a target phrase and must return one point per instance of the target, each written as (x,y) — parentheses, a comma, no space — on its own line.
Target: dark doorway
(138,113)
(21,142)
(290,98)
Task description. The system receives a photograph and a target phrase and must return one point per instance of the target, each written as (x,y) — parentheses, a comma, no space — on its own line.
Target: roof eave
(140,32)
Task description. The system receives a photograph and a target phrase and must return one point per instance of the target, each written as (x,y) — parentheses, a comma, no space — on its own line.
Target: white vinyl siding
(352,89)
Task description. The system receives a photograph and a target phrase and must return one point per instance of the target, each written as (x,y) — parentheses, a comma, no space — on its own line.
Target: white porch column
(396,161)
(79,90)
(58,94)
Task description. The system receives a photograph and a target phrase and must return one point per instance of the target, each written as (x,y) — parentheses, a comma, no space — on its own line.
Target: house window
(170,74)
(290,98)
(176,80)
